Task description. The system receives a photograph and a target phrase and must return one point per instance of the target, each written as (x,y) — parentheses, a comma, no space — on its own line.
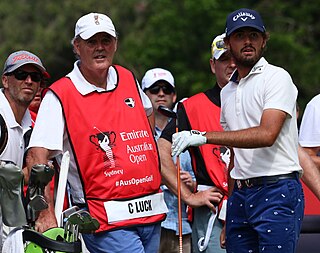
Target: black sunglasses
(22,75)
(166,89)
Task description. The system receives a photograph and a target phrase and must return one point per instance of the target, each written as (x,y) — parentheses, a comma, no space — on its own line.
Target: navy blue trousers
(265,219)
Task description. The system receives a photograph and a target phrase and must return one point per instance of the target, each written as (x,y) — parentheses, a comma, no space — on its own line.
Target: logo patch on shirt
(130,102)
(257,68)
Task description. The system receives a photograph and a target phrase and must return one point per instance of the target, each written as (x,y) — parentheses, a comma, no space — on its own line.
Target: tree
(171,34)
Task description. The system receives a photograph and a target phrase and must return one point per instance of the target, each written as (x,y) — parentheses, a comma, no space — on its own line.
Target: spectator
(258,113)
(21,78)
(34,105)
(309,136)
(159,86)
(210,162)
(309,139)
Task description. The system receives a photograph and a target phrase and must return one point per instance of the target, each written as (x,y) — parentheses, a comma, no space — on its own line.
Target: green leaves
(162,33)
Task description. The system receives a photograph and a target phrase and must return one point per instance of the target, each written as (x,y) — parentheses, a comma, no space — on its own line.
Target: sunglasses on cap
(22,75)
(218,45)
(167,89)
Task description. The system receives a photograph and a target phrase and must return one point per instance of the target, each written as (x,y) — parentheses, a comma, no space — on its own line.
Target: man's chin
(248,61)
(163,104)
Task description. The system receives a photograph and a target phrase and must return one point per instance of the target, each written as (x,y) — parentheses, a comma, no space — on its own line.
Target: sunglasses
(166,89)
(22,75)
(218,45)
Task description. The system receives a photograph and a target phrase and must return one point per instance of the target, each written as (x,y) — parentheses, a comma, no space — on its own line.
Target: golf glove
(184,139)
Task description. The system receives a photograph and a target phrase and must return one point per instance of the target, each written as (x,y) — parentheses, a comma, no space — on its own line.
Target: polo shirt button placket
(21,143)
(238,100)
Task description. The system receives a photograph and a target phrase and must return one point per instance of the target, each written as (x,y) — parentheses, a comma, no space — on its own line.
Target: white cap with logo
(155,75)
(92,23)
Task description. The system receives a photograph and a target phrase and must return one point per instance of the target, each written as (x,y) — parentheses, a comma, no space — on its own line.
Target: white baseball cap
(155,75)
(92,23)
(218,47)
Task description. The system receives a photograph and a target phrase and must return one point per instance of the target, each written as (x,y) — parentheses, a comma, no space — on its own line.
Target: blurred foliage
(162,33)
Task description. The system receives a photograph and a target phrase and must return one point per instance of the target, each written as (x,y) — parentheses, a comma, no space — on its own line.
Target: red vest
(113,145)
(207,118)
(33,117)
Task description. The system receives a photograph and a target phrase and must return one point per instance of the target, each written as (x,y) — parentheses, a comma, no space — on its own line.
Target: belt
(258,181)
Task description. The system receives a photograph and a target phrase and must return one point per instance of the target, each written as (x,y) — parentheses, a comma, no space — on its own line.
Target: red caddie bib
(115,152)
(215,156)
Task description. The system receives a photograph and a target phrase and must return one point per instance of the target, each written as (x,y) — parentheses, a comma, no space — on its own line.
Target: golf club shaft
(179,202)
(173,115)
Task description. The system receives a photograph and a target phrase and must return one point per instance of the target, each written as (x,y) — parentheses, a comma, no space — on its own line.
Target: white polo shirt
(49,130)
(15,148)
(242,105)
(309,135)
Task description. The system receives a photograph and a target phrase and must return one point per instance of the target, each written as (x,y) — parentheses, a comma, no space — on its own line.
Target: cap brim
(46,75)
(219,53)
(16,66)
(246,25)
(90,32)
(163,80)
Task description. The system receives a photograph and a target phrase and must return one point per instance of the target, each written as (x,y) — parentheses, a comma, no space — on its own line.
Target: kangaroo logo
(223,154)
(104,141)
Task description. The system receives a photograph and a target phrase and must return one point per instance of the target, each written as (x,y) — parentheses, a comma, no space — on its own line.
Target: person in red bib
(34,105)
(99,113)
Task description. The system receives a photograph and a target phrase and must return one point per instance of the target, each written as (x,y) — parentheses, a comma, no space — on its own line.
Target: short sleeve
(48,130)
(3,134)
(281,93)
(145,101)
(309,135)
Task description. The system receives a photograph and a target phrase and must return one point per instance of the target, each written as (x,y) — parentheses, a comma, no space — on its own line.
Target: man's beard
(247,62)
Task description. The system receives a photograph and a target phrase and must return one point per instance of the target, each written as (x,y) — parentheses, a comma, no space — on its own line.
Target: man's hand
(223,237)
(46,220)
(184,139)
(209,197)
(187,179)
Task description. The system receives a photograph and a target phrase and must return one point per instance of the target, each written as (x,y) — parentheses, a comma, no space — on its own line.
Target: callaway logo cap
(155,75)
(20,58)
(244,18)
(92,23)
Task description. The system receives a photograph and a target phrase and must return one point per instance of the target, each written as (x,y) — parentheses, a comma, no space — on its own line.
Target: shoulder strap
(4,134)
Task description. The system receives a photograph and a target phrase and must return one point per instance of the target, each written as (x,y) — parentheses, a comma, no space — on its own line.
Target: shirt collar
(9,116)
(158,131)
(214,94)
(259,66)
(256,69)
(84,87)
